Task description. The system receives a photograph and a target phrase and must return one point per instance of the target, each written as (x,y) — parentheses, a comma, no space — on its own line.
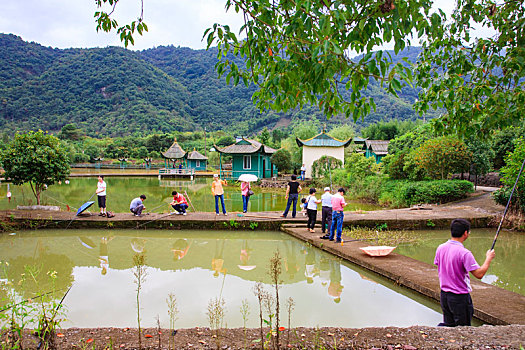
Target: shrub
(509,174)
(439,191)
(323,166)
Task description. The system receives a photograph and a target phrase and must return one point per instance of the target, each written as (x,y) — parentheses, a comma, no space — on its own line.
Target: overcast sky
(70,23)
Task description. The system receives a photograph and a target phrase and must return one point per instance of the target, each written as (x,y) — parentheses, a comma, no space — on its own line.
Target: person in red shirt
(179,203)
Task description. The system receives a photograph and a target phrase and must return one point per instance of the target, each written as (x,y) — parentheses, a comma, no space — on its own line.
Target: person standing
(179,203)
(326,211)
(311,209)
(218,192)
(292,195)
(454,263)
(101,195)
(245,189)
(338,204)
(136,206)
(303,172)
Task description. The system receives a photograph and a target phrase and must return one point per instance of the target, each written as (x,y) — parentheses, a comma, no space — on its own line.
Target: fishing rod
(157,207)
(161,217)
(507,206)
(189,200)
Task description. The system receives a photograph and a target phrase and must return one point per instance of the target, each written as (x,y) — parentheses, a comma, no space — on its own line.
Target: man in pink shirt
(338,203)
(454,263)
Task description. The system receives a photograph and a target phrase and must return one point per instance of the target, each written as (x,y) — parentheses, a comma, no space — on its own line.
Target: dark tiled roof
(379,147)
(174,152)
(195,155)
(246,146)
(323,140)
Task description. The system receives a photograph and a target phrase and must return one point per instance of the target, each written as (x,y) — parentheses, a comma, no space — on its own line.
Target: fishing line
(507,206)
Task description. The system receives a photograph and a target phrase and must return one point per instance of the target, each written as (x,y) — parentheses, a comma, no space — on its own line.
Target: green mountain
(117,92)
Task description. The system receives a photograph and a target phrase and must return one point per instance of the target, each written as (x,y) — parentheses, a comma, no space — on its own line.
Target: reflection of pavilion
(188,185)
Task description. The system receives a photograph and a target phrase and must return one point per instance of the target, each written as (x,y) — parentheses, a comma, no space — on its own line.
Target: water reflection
(200,265)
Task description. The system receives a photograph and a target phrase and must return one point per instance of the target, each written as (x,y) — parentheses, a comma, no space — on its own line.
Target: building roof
(195,155)
(174,152)
(323,140)
(358,139)
(246,146)
(379,147)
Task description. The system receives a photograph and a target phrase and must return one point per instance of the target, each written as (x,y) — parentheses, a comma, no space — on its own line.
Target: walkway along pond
(493,305)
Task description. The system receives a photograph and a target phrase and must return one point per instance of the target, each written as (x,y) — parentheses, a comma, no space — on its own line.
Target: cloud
(66,23)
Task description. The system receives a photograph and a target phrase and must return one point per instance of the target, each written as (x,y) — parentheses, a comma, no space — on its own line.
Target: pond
(507,270)
(198,266)
(121,190)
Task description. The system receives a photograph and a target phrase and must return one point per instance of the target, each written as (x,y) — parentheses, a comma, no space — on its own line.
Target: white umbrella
(248,178)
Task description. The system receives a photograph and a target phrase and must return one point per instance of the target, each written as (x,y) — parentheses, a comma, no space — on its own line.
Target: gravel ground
(416,337)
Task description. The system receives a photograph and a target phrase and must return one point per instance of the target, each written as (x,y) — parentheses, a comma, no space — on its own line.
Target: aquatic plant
(245,312)
(260,293)
(139,272)
(384,237)
(216,313)
(290,306)
(275,271)
(173,313)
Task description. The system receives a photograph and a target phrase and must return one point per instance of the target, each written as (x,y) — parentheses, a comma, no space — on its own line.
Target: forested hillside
(117,92)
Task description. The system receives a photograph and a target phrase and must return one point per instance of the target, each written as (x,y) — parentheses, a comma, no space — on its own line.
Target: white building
(321,145)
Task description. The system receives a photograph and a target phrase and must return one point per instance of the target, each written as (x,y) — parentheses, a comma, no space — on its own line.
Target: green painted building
(196,160)
(248,157)
(376,148)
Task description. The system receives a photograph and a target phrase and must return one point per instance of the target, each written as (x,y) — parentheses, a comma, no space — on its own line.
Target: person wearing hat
(326,211)
(311,209)
(218,192)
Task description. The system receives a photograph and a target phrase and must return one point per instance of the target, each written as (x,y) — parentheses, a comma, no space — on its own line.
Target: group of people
(180,203)
(332,206)
(453,260)
(218,192)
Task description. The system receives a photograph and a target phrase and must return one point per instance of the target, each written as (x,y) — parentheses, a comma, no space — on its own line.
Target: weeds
(275,275)
(245,312)
(290,305)
(158,332)
(216,313)
(173,313)
(231,224)
(260,293)
(430,223)
(139,263)
(253,225)
(385,237)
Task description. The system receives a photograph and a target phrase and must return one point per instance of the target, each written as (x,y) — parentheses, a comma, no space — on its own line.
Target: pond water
(121,190)
(197,266)
(507,270)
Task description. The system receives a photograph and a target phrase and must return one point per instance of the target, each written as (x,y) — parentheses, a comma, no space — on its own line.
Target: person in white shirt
(326,210)
(303,172)
(101,194)
(311,209)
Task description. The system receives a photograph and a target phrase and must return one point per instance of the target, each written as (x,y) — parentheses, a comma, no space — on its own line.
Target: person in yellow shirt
(218,192)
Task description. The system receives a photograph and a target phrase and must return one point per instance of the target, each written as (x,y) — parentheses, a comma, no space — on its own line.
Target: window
(198,164)
(247,162)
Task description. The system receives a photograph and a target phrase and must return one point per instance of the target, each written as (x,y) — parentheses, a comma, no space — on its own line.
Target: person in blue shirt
(136,206)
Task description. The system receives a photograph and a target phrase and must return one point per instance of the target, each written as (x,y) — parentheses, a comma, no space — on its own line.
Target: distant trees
(36,158)
(282,159)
